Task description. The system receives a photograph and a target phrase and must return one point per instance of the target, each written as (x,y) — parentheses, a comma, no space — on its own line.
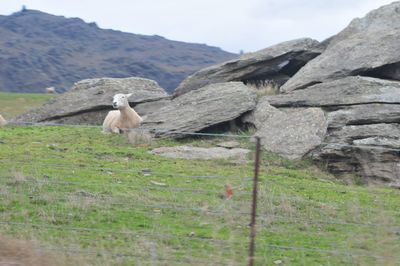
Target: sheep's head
(121,100)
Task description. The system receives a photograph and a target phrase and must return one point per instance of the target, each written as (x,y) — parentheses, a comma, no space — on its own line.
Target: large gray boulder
(277,63)
(368,46)
(89,100)
(291,133)
(201,109)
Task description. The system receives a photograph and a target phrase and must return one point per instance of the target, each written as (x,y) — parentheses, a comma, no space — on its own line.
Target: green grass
(94,199)
(12,104)
(77,189)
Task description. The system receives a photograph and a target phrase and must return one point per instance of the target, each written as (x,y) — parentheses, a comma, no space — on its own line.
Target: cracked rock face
(89,101)
(277,63)
(369,46)
(291,133)
(371,151)
(363,119)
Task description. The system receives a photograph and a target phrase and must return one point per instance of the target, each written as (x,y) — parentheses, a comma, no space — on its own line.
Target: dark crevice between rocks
(94,109)
(265,80)
(229,127)
(305,86)
(277,70)
(232,127)
(389,72)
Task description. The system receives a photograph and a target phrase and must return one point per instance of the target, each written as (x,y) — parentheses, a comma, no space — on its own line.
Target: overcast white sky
(233,25)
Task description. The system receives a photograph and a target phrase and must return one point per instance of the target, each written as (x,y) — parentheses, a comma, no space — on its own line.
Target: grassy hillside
(12,104)
(98,199)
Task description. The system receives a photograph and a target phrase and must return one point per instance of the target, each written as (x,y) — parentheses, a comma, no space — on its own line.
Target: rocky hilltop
(338,101)
(39,50)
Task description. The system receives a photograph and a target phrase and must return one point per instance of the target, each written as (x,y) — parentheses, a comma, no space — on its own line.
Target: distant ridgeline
(39,50)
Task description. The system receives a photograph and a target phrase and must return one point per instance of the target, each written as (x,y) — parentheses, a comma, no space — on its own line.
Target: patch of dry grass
(264,88)
(27,253)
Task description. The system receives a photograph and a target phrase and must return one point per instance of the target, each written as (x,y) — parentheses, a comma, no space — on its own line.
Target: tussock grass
(264,88)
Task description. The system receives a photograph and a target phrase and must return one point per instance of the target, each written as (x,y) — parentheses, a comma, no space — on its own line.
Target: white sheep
(122,119)
(3,122)
(50,90)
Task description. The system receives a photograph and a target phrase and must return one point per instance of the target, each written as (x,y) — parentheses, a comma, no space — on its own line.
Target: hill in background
(38,50)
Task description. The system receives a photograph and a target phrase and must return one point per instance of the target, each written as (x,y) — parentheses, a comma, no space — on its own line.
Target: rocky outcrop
(370,151)
(290,133)
(201,109)
(356,82)
(277,63)
(363,118)
(368,46)
(89,100)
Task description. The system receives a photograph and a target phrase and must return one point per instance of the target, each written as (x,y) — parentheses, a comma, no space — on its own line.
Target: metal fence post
(252,245)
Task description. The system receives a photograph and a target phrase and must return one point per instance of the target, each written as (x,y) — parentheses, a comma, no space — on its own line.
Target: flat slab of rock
(201,109)
(93,97)
(364,114)
(291,133)
(368,46)
(146,108)
(346,91)
(278,63)
(189,152)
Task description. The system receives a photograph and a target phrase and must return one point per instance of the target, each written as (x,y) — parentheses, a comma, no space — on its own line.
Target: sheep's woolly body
(50,90)
(3,122)
(123,119)
(117,121)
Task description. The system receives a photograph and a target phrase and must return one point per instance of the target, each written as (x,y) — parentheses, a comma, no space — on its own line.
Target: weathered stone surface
(370,151)
(290,133)
(364,114)
(89,100)
(189,152)
(348,134)
(146,108)
(346,91)
(368,46)
(202,108)
(278,63)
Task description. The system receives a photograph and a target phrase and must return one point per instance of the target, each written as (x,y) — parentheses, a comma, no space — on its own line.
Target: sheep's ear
(129,95)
